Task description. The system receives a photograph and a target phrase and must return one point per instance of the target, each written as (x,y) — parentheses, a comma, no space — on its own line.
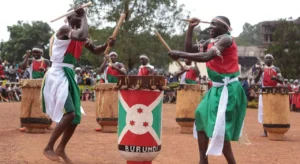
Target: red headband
(225,23)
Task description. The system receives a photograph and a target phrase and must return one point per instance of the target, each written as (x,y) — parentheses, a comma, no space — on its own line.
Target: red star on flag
(145,124)
(140,110)
(132,123)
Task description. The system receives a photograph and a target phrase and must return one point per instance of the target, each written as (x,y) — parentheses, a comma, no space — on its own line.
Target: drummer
(295,96)
(145,69)
(269,76)
(112,71)
(37,66)
(188,74)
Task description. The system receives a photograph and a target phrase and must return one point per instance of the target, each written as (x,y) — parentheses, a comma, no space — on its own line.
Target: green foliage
(250,35)
(23,36)
(136,35)
(286,48)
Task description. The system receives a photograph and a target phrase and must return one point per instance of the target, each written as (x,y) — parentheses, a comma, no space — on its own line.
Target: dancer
(221,113)
(60,95)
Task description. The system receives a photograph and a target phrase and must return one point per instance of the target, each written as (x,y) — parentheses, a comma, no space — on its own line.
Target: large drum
(276,118)
(188,98)
(107,106)
(140,117)
(32,116)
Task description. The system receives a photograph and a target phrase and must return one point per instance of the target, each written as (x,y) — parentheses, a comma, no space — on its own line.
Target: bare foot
(50,154)
(63,155)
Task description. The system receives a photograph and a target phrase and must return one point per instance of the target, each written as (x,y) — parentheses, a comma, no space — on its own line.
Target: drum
(276,117)
(188,98)
(32,116)
(107,107)
(140,117)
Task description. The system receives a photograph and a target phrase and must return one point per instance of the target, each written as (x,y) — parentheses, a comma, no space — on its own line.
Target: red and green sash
(73,52)
(36,65)
(111,75)
(190,76)
(269,72)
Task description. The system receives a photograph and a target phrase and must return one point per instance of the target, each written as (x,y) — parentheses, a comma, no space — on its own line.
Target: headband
(269,55)
(113,53)
(37,49)
(144,56)
(223,22)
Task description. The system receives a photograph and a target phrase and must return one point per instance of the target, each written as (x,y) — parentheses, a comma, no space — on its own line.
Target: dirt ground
(90,147)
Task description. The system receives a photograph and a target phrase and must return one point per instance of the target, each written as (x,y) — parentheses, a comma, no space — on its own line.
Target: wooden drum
(32,116)
(140,117)
(188,98)
(276,120)
(107,106)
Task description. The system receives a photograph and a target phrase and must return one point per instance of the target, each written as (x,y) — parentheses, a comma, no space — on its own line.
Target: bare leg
(59,129)
(60,150)
(227,151)
(202,144)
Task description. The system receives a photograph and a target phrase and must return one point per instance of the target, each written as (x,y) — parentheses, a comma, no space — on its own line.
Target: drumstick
(72,12)
(167,46)
(114,35)
(189,20)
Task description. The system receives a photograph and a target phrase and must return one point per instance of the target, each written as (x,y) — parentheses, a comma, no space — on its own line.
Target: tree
(250,35)
(136,36)
(286,48)
(23,36)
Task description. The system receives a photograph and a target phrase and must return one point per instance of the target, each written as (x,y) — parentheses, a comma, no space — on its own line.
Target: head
(187,62)
(74,20)
(144,59)
(296,82)
(113,56)
(219,25)
(269,59)
(285,81)
(291,81)
(155,72)
(37,52)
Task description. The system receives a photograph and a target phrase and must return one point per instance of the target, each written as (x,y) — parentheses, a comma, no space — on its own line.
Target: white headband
(223,22)
(37,49)
(269,55)
(144,56)
(113,53)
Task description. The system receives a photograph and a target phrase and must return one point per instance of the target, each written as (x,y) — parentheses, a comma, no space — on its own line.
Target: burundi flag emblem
(139,124)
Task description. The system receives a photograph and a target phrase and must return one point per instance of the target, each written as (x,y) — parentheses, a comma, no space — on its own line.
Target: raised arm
(81,34)
(103,65)
(189,47)
(23,65)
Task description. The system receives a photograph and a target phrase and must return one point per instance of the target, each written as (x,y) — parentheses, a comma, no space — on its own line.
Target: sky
(238,11)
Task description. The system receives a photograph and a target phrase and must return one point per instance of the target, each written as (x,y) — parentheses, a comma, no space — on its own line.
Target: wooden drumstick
(189,20)
(114,35)
(71,12)
(167,46)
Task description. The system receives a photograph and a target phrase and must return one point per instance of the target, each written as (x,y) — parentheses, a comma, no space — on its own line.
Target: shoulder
(63,31)
(225,39)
